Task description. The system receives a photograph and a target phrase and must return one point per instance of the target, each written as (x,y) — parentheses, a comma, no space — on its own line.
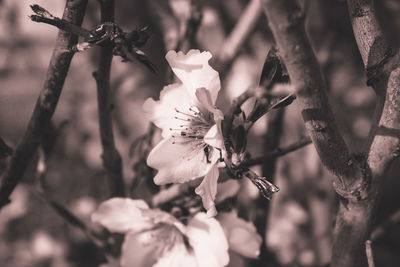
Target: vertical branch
(374,49)
(111,158)
(46,104)
(271,143)
(382,65)
(373,46)
(358,183)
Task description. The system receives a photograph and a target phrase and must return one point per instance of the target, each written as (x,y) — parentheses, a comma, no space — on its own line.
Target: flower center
(195,125)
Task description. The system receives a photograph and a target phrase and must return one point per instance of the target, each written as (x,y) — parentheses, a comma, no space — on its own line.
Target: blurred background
(297,223)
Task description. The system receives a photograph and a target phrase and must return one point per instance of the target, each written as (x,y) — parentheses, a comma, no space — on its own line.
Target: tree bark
(357,181)
(111,158)
(47,102)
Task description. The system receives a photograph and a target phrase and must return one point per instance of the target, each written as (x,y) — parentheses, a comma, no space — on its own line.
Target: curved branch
(46,104)
(286,21)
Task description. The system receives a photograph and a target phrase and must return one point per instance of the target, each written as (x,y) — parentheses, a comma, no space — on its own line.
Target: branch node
(375,72)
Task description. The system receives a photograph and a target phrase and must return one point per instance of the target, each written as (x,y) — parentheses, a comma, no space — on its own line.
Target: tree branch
(240,32)
(382,65)
(279,152)
(373,46)
(383,71)
(111,158)
(352,180)
(358,183)
(46,103)
(370,253)
(286,21)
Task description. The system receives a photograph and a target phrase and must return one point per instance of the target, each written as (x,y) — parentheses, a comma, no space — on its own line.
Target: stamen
(190,115)
(182,119)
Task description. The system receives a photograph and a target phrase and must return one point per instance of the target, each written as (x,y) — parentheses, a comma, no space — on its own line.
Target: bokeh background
(301,215)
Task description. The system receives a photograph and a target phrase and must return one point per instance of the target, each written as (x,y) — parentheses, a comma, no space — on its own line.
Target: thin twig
(270,72)
(166,21)
(111,158)
(370,253)
(46,103)
(240,32)
(279,152)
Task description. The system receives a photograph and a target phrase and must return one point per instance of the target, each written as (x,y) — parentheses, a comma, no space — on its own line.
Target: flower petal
(208,190)
(194,72)
(146,248)
(120,215)
(206,103)
(214,138)
(208,240)
(179,162)
(179,256)
(242,236)
(163,112)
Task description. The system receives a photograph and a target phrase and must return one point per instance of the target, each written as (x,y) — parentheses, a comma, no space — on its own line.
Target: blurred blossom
(360,96)
(182,10)
(191,126)
(284,231)
(83,206)
(17,207)
(242,236)
(227,189)
(307,257)
(156,238)
(44,246)
(362,126)
(242,76)
(211,33)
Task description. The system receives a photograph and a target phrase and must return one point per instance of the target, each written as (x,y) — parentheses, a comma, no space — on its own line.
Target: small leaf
(286,101)
(139,37)
(273,70)
(270,68)
(239,139)
(266,188)
(263,108)
(42,12)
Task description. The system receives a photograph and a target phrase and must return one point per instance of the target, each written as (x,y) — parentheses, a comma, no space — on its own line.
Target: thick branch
(111,158)
(375,51)
(385,147)
(383,71)
(46,103)
(351,181)
(373,46)
(287,24)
